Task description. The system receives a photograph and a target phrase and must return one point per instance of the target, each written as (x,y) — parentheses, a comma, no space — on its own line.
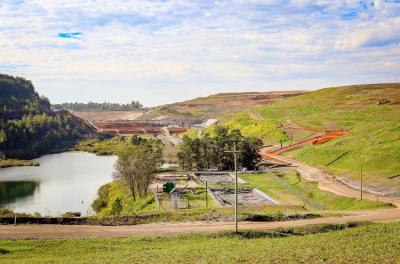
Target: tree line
(208,152)
(134,105)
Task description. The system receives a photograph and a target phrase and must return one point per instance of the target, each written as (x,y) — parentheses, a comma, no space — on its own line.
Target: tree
(116,207)
(137,163)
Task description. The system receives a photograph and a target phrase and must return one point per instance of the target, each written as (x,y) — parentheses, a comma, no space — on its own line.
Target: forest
(209,152)
(28,127)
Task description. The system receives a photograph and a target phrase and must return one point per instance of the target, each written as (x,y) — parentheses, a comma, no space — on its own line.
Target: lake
(65,182)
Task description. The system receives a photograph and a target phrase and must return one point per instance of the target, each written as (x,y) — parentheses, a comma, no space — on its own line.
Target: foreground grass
(289,188)
(371,243)
(14,163)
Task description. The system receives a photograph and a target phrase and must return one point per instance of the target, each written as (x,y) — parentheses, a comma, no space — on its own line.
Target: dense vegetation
(28,128)
(115,198)
(370,112)
(138,159)
(134,105)
(346,243)
(211,151)
(137,163)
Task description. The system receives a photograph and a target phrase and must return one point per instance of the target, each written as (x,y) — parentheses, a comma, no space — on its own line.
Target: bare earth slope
(217,105)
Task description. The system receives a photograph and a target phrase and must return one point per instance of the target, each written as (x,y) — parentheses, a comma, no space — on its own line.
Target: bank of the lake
(6,163)
(64,182)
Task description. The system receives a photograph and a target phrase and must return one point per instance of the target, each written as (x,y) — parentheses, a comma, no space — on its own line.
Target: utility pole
(235,152)
(157,200)
(361,180)
(206,195)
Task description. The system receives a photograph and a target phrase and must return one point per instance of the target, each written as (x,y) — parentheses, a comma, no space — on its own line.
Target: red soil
(317,140)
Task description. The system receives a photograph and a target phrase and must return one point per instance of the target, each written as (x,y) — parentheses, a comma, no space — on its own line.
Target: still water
(65,182)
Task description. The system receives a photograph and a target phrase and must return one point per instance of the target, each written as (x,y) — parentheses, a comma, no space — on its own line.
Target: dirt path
(9,232)
(329,183)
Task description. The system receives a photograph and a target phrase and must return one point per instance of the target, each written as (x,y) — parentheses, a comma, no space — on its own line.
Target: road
(329,183)
(10,232)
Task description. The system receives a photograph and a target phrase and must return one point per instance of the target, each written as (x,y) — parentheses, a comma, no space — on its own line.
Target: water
(65,182)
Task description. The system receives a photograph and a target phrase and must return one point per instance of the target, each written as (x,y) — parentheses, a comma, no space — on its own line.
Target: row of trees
(210,152)
(28,127)
(134,105)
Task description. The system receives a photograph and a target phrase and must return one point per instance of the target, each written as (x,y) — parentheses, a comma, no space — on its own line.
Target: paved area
(216,178)
(246,196)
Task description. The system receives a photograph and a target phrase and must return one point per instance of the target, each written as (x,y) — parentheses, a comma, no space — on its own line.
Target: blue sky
(165,51)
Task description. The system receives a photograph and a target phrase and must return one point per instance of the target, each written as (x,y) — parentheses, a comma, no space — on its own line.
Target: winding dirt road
(9,232)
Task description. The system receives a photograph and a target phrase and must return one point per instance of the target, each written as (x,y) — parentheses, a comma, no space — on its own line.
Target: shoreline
(8,163)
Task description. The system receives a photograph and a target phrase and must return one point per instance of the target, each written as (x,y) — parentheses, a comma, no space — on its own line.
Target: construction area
(193,190)
(225,197)
(219,178)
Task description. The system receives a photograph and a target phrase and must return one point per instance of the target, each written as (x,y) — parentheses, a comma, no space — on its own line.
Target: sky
(161,52)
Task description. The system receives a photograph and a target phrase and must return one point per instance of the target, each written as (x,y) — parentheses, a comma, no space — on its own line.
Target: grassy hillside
(351,243)
(218,104)
(288,188)
(370,112)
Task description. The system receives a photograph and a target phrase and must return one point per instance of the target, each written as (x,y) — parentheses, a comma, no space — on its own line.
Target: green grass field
(365,243)
(288,188)
(102,146)
(375,128)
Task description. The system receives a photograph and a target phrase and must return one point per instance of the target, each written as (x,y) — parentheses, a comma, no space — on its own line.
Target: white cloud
(186,47)
(371,34)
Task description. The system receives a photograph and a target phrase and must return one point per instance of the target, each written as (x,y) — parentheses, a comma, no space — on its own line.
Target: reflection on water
(15,190)
(65,182)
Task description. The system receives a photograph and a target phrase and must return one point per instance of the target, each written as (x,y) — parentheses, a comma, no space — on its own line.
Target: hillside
(217,105)
(192,111)
(28,127)
(371,113)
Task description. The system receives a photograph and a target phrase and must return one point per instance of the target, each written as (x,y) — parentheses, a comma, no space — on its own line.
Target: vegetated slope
(28,128)
(217,105)
(370,112)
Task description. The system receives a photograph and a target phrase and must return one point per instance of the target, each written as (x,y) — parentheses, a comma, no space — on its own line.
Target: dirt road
(9,232)
(329,183)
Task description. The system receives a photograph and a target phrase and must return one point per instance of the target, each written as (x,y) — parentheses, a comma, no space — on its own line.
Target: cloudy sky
(165,51)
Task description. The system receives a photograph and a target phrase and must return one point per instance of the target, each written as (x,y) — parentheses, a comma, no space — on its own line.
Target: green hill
(370,112)
(217,105)
(28,128)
